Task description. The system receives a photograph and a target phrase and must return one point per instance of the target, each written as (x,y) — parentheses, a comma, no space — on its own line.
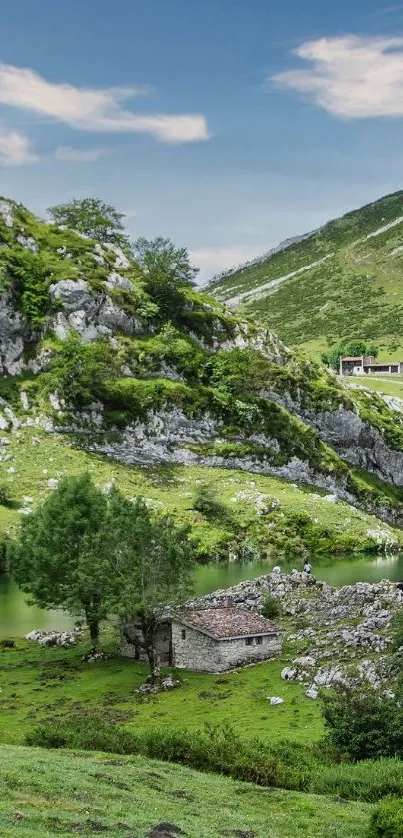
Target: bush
(365,724)
(217,749)
(205,501)
(271,608)
(387,820)
(370,780)
(396,630)
(5,498)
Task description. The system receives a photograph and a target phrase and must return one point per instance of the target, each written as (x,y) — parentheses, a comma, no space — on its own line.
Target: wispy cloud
(78,155)
(92,109)
(351,77)
(15,149)
(213,260)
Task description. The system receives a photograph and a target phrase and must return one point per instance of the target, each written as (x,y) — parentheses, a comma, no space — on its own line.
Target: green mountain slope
(46,794)
(96,356)
(344,280)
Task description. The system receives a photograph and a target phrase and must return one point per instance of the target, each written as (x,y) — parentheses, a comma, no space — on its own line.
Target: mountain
(343,280)
(105,366)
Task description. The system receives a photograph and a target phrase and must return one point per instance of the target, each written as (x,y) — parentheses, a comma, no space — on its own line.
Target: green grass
(39,683)
(356,293)
(391,385)
(46,794)
(172,488)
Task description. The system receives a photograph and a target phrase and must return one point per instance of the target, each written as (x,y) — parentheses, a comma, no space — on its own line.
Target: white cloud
(351,76)
(15,149)
(213,260)
(91,109)
(78,155)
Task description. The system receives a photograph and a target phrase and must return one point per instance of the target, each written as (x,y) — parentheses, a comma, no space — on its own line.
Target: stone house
(366,364)
(211,640)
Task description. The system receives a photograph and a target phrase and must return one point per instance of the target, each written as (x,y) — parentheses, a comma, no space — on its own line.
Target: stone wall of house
(202,653)
(131,646)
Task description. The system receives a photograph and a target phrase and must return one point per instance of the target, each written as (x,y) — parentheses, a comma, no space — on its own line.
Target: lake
(17,618)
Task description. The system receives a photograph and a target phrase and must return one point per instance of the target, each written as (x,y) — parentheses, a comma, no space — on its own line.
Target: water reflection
(17,618)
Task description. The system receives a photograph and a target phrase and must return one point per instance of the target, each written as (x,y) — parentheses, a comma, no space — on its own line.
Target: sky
(226,125)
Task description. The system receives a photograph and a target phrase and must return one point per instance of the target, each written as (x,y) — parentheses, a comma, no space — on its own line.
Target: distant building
(366,364)
(211,640)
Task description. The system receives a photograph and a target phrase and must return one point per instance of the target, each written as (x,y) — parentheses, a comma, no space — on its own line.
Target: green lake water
(17,618)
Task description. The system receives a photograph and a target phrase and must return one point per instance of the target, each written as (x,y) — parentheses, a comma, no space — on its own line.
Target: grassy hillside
(343,281)
(91,343)
(46,794)
(265,509)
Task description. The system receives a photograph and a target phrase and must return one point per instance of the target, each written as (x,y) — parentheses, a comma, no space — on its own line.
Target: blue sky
(225,124)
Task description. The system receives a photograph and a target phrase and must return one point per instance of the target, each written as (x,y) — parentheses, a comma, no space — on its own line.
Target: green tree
(349,347)
(167,272)
(80,371)
(94,218)
(59,558)
(152,564)
(364,723)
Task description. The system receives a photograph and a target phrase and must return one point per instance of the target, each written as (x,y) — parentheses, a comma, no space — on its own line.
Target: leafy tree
(351,347)
(94,218)
(79,371)
(29,276)
(365,724)
(152,564)
(59,558)
(238,372)
(167,272)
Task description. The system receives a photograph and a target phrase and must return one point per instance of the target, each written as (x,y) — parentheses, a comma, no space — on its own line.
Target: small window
(259,641)
(249,641)
(183,634)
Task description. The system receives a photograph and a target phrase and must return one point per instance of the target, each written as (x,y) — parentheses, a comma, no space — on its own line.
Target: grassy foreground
(47,793)
(39,683)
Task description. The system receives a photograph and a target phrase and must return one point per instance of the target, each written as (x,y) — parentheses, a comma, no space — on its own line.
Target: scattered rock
(275,699)
(55,638)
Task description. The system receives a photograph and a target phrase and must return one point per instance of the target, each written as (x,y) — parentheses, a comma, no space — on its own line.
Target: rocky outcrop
(345,626)
(12,332)
(355,440)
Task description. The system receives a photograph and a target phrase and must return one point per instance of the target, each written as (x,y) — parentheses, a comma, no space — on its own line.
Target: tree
(59,558)
(153,566)
(364,723)
(349,347)
(79,372)
(167,272)
(93,218)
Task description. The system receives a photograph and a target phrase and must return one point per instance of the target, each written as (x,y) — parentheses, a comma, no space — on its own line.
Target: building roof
(352,357)
(227,622)
(382,364)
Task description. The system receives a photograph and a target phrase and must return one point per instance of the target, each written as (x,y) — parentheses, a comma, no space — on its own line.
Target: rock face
(12,331)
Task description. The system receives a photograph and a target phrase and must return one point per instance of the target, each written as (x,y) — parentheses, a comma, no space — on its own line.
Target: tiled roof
(227,622)
(352,358)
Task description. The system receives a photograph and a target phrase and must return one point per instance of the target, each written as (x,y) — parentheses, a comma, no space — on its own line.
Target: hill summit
(339,282)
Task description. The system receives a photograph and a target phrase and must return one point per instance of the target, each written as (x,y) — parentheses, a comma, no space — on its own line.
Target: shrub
(271,608)
(396,630)
(369,780)
(217,749)
(5,499)
(365,724)
(205,501)
(387,820)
